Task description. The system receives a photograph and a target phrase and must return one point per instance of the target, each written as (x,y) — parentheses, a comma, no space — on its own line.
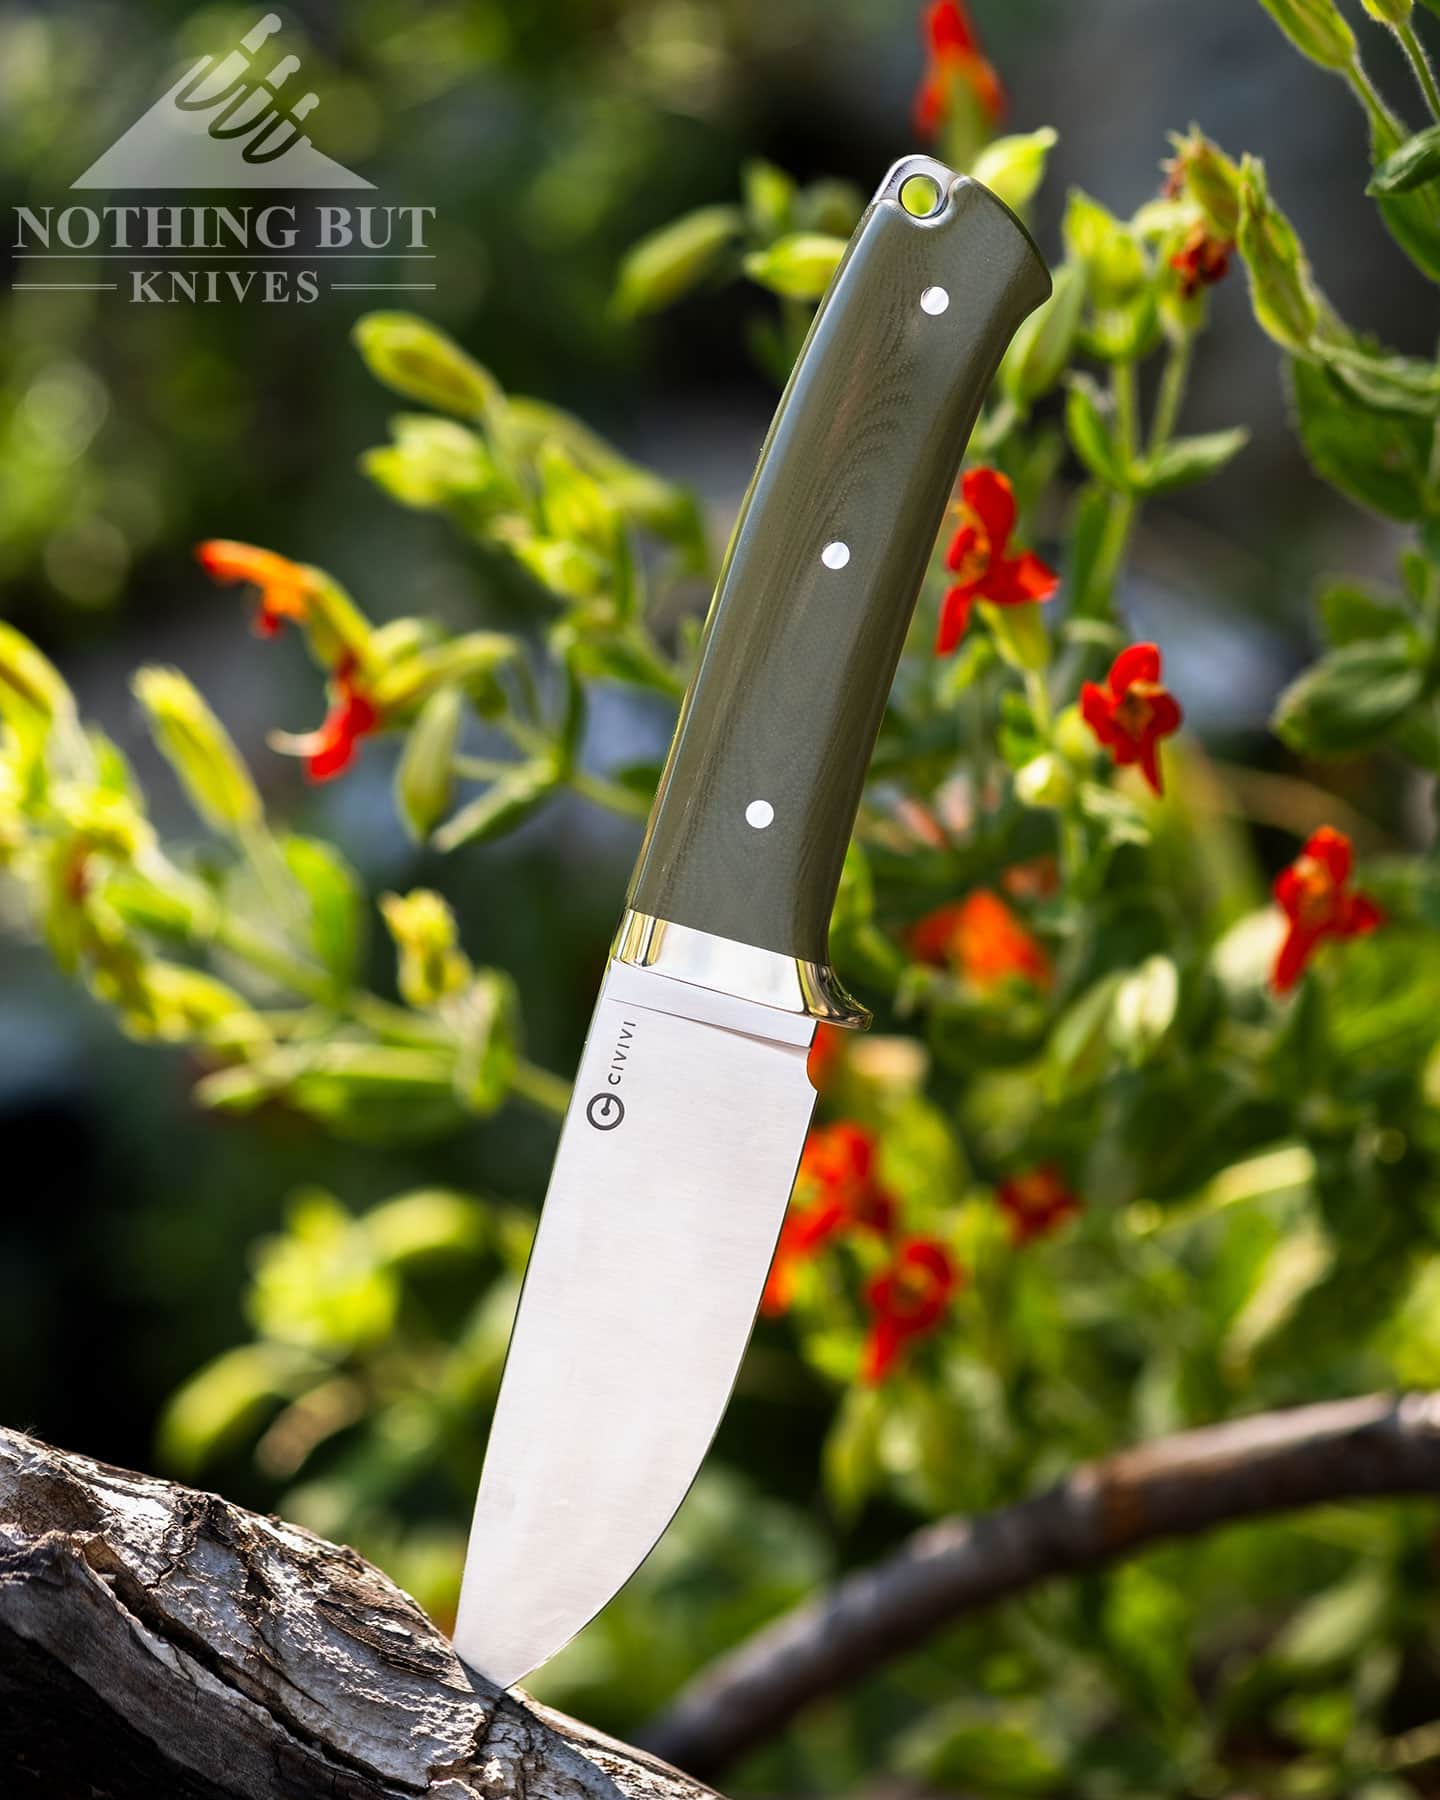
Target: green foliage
(1249,1180)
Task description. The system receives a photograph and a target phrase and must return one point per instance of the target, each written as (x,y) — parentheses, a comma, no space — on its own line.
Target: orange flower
(954,63)
(283,584)
(1036,1202)
(979,560)
(1315,896)
(353,715)
(1133,711)
(908,1300)
(982,938)
(837,1187)
(1201,261)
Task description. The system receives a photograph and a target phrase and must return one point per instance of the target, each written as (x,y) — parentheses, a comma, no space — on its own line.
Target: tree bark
(155,1641)
(1365,1448)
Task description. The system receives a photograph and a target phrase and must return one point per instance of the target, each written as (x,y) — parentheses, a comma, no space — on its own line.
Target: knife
(692,1101)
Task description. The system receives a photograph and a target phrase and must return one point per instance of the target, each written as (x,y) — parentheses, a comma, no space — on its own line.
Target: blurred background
(549,135)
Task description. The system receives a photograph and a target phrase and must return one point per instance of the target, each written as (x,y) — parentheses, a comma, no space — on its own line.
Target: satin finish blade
(670,1185)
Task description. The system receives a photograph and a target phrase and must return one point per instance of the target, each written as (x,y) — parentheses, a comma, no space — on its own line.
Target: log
(156,1641)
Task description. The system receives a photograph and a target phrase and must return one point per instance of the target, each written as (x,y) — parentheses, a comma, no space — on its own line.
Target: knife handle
(763,780)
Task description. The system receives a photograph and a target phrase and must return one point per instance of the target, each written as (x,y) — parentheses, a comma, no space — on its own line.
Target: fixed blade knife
(692,1100)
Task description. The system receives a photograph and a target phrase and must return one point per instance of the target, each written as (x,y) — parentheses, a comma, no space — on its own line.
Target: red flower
(827,1049)
(283,584)
(978,558)
(1315,896)
(1201,261)
(982,938)
(352,715)
(1036,1202)
(1133,711)
(953,61)
(907,1301)
(837,1187)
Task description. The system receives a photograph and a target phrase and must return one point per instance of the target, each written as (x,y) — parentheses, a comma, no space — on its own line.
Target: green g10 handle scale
(760,791)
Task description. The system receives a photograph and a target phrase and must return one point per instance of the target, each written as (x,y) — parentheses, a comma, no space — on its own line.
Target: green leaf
(1380,459)
(675,259)
(952,1751)
(1412,218)
(504,805)
(833,207)
(1417,160)
(1353,614)
(1351,698)
(428,1224)
(336,903)
(797,267)
(1382,379)
(850,1462)
(1184,461)
(1088,426)
(1089,525)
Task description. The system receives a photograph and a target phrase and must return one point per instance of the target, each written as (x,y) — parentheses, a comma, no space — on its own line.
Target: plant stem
(1038,694)
(1370,98)
(1420,63)
(1171,397)
(480,768)
(627,801)
(292,972)
(549,1092)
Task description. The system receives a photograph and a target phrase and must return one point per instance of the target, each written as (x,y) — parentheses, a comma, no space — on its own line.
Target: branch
(1175,1487)
(158,1641)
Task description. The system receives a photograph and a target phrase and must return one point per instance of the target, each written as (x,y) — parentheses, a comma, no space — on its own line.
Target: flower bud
(431,462)
(470,662)
(797,267)
(1041,349)
(425,779)
(1281,290)
(432,965)
(1211,180)
(1317,28)
(422,363)
(576,507)
(1014,167)
(1390,12)
(675,259)
(199,749)
(1113,261)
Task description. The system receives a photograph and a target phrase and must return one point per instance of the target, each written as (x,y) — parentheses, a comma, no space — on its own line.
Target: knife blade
(692,1100)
